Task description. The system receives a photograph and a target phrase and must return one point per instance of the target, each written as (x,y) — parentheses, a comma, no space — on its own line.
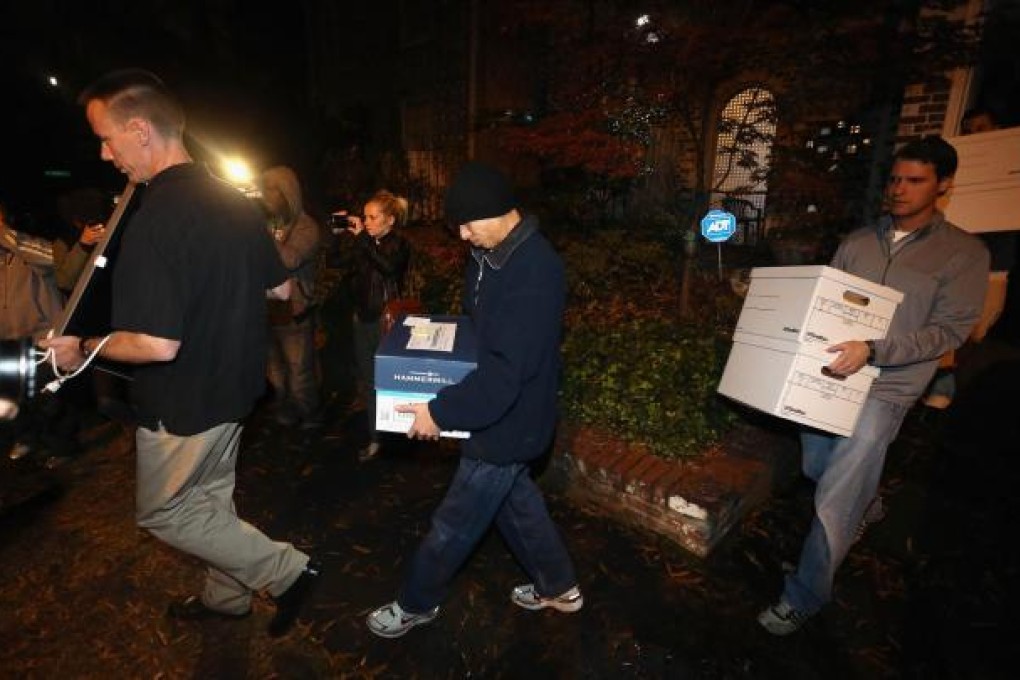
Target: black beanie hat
(478,192)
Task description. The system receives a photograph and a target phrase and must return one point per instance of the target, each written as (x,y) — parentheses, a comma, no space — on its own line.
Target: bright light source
(652,38)
(52,80)
(643,20)
(238,171)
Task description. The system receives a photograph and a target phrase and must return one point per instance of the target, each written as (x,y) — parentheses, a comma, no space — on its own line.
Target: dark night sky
(238,67)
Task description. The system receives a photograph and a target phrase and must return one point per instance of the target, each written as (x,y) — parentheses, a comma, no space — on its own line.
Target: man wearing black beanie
(514,292)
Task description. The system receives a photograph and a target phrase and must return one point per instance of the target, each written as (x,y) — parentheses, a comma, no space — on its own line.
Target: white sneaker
(782,619)
(526,596)
(390,621)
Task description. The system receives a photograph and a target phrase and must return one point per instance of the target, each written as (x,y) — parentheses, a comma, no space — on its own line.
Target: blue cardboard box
(420,356)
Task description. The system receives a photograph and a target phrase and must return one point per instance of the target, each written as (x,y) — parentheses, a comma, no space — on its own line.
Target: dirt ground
(927,593)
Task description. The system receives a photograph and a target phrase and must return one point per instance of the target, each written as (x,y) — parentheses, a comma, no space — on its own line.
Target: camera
(17,375)
(339,221)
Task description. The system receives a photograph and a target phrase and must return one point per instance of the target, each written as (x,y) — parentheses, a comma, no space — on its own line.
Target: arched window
(746,131)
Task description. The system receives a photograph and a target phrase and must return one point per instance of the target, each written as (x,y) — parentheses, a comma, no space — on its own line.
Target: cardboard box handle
(829,374)
(856,298)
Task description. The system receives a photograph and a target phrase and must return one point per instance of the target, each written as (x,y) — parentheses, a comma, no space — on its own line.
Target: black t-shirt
(194,264)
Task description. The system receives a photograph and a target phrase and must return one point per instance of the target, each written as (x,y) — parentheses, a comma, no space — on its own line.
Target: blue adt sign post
(717,227)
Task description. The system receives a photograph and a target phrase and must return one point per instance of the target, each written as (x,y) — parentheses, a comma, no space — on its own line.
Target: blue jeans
(847,471)
(479,493)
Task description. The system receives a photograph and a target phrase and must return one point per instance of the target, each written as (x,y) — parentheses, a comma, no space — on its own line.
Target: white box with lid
(816,304)
(790,380)
(986,189)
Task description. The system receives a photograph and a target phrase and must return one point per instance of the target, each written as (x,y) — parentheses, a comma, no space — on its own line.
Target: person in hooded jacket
(292,363)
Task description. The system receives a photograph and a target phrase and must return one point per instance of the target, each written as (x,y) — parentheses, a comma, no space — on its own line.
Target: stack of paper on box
(416,359)
(791,315)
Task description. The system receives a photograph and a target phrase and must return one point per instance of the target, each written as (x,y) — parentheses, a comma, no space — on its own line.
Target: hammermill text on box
(415,360)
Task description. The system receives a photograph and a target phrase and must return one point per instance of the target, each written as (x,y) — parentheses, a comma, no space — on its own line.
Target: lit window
(747,128)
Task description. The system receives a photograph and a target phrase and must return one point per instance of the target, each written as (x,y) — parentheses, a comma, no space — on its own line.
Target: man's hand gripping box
(816,304)
(420,356)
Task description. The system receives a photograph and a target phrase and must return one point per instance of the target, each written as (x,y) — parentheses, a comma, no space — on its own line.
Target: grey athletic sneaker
(390,621)
(526,596)
(782,619)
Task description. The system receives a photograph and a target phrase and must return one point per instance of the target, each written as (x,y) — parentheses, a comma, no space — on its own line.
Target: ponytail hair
(392,205)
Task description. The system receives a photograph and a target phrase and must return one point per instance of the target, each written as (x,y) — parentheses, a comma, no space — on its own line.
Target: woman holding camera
(380,262)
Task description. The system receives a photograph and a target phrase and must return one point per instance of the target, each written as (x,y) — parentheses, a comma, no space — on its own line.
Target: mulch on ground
(83,592)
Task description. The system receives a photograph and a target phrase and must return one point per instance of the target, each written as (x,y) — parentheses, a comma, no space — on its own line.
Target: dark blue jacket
(514,295)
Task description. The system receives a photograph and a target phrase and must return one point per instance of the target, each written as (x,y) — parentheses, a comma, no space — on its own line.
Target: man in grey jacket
(942,273)
(292,369)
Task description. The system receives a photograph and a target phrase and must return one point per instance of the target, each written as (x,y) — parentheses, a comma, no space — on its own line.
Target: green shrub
(649,379)
(614,262)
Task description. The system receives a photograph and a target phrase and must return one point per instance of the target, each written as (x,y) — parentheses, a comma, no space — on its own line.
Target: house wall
(924,109)
(936,106)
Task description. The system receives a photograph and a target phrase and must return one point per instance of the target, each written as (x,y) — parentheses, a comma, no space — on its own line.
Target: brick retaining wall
(694,503)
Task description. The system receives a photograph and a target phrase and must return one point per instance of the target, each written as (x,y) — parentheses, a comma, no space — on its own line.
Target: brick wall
(924,109)
(694,503)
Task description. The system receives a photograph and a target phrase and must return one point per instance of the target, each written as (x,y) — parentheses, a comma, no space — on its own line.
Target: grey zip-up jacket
(942,272)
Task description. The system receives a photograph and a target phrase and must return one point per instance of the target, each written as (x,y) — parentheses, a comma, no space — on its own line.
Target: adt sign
(718,226)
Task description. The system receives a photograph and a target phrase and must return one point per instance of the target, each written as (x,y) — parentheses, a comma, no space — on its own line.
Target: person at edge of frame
(942,272)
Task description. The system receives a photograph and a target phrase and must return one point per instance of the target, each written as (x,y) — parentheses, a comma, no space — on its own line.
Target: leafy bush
(649,379)
(616,264)
(632,366)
